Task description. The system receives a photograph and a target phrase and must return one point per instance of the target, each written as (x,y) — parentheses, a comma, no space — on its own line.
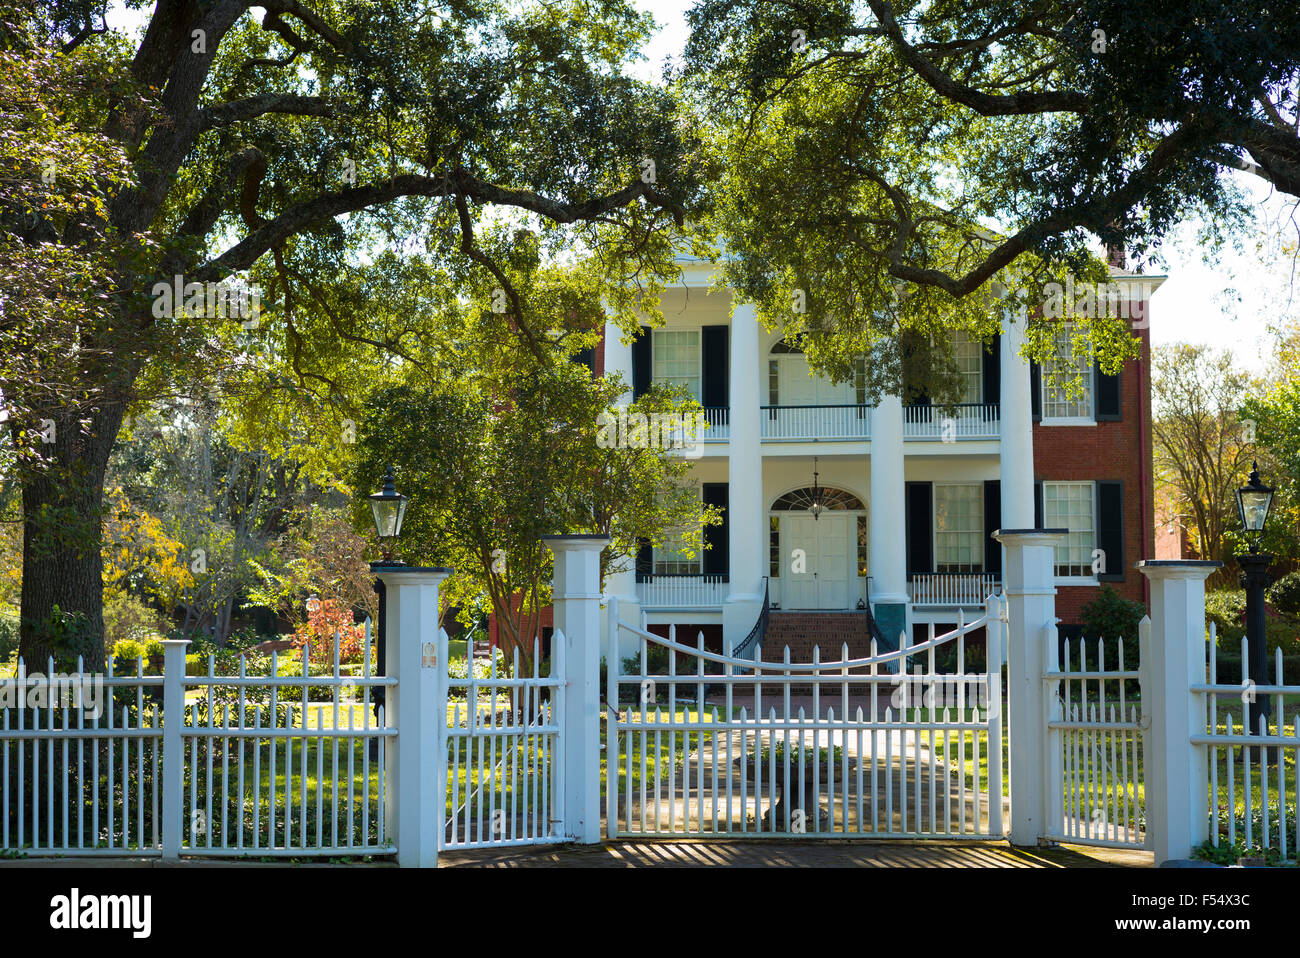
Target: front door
(819,562)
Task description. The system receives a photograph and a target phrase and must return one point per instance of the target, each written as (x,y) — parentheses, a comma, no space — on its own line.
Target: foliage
(126,653)
(126,616)
(1228,667)
(1226,608)
(327,621)
(1284,594)
(1111,616)
(1276,418)
(1201,447)
(140,555)
(67,636)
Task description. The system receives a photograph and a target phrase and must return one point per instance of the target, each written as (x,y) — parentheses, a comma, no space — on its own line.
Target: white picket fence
(868,752)
(1255,813)
(261,765)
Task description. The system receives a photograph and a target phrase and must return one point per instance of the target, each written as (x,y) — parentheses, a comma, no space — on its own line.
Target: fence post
(1027,572)
(576,599)
(173,746)
(993,710)
(1176,771)
(415,795)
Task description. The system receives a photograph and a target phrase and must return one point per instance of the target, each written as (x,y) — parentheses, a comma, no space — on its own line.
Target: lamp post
(1253,503)
(388,509)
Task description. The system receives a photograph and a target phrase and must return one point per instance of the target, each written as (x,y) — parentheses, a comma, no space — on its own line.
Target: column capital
(1029,537)
(576,543)
(1197,569)
(409,575)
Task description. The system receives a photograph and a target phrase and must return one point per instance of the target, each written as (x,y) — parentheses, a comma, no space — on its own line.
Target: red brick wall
(1109,450)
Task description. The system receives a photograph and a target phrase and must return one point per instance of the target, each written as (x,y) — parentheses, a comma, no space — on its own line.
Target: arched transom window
(802,499)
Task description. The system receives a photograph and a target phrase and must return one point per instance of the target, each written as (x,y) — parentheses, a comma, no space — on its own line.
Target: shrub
(326,620)
(8,636)
(126,652)
(1228,669)
(1226,609)
(1284,594)
(1111,616)
(153,648)
(128,617)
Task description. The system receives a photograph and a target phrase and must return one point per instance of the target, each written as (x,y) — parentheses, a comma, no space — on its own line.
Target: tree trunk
(62,535)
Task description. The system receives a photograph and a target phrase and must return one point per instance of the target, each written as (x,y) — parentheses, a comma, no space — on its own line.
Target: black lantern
(1254,500)
(818,494)
(388,507)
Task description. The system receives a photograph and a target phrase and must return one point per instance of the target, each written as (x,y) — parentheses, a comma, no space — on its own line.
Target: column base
(894,619)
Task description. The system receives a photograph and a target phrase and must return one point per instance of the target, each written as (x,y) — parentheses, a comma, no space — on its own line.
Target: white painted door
(818,557)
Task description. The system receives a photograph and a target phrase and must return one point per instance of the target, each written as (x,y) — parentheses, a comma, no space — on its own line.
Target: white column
(747,530)
(621,583)
(1017,425)
(1027,576)
(1172,661)
(576,599)
(888,532)
(414,767)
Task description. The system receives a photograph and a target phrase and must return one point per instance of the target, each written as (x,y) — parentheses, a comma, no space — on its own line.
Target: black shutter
(920,539)
(992,521)
(645,559)
(1038,505)
(586,357)
(716,538)
(642,370)
(1036,390)
(1108,397)
(1110,528)
(993,374)
(715,390)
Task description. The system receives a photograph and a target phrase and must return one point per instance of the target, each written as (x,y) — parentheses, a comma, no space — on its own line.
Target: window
(1057,403)
(673,558)
(860,382)
(773,383)
(958,528)
(969,356)
(1070,505)
(774,547)
(863,542)
(677,359)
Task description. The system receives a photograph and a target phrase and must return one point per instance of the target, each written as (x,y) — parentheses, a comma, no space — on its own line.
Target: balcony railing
(952,423)
(815,422)
(681,591)
(718,419)
(953,589)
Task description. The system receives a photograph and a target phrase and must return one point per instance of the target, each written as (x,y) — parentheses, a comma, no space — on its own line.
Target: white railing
(815,422)
(1249,807)
(718,420)
(952,423)
(1095,747)
(707,744)
(682,591)
(505,762)
(953,589)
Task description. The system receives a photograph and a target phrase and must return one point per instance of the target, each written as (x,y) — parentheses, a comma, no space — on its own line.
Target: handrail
(963,628)
(756,634)
(873,627)
(846,405)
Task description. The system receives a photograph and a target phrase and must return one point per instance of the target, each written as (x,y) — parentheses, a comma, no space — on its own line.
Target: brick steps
(825,631)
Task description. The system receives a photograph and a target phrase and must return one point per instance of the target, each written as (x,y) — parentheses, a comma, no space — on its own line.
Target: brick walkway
(794,854)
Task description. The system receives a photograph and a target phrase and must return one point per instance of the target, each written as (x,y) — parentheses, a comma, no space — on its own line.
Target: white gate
(1095,745)
(504,753)
(904,744)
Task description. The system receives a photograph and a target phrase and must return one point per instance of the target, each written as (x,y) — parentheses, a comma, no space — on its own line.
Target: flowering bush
(327,618)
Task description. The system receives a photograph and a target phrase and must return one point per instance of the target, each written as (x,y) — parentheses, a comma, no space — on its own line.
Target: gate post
(1177,772)
(1027,573)
(173,746)
(415,795)
(576,599)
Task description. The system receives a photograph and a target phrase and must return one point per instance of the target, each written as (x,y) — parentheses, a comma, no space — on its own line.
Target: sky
(1229,304)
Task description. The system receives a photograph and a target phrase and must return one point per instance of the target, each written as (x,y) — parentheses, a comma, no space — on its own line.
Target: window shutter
(1110,528)
(992,373)
(586,357)
(714,390)
(1036,390)
(1108,402)
(716,538)
(645,559)
(642,371)
(992,520)
(920,535)
(1038,505)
